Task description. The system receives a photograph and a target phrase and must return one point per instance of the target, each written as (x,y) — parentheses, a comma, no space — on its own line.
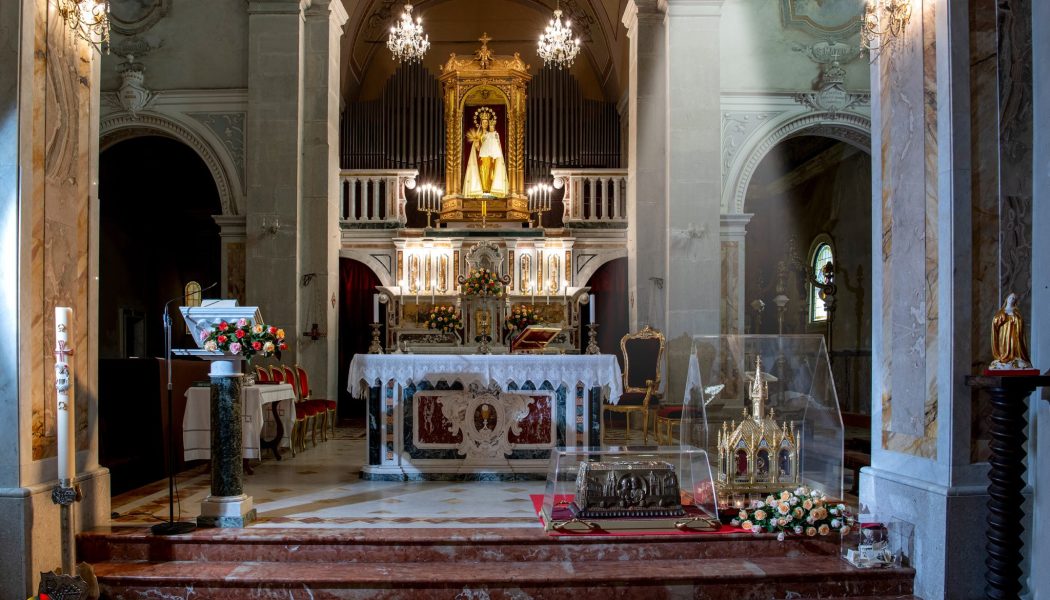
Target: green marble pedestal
(227,505)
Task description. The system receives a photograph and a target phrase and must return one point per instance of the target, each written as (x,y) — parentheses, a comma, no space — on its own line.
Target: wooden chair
(643,355)
(262,374)
(330,406)
(276,373)
(315,412)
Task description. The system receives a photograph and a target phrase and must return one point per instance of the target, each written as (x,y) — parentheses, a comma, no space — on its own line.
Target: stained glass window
(821,257)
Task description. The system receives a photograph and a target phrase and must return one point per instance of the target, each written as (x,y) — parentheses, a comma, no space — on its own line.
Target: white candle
(375,308)
(590,301)
(64,423)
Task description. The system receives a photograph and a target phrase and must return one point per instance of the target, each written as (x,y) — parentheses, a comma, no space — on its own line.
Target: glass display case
(622,488)
(765,409)
(875,544)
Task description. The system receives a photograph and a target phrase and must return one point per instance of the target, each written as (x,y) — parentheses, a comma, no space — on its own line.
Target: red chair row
(309,412)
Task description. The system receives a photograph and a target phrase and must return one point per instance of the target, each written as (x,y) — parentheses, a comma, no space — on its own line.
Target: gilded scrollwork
(463,78)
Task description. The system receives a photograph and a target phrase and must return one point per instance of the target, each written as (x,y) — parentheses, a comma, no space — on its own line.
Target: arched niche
(853,129)
(123,126)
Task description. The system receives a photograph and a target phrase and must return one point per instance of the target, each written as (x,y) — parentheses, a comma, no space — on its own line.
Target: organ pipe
(404,128)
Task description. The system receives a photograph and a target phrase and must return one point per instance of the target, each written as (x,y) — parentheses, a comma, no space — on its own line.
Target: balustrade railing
(593,197)
(374,197)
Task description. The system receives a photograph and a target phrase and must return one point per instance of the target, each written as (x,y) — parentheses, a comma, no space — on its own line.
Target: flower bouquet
(245,338)
(444,318)
(796,512)
(483,282)
(521,317)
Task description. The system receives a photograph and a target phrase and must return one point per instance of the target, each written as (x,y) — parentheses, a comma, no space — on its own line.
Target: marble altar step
(481,563)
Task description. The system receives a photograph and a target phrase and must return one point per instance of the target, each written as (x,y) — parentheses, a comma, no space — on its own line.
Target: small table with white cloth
(478,416)
(196,424)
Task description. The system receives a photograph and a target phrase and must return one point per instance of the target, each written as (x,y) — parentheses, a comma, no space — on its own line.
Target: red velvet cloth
(357,283)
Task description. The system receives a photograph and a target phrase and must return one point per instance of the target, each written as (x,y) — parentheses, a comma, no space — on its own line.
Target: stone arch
(120,127)
(850,128)
(588,263)
(380,263)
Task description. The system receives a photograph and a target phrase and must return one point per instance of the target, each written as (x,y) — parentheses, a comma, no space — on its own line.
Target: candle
(375,308)
(64,424)
(590,301)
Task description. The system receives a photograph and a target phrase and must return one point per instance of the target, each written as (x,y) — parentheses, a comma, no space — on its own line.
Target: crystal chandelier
(557,46)
(406,41)
(88,20)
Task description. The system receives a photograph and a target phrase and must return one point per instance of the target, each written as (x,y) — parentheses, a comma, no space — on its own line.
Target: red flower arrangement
(245,339)
(483,283)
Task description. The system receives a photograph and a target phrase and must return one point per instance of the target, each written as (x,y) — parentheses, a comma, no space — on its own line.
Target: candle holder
(592,343)
(376,347)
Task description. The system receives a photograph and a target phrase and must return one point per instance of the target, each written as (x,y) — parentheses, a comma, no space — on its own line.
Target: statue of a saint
(1009,350)
(486,173)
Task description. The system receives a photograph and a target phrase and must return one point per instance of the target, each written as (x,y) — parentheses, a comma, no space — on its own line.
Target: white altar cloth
(196,423)
(592,370)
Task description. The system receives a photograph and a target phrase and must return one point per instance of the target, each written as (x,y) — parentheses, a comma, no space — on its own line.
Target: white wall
(757,51)
(204,45)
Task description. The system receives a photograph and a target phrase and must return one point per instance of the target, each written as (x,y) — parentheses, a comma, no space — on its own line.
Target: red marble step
(429,545)
(739,579)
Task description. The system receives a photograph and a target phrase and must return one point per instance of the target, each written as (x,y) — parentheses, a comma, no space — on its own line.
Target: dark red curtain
(357,283)
(609,286)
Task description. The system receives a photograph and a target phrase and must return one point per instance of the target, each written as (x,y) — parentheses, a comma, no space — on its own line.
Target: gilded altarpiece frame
(472,82)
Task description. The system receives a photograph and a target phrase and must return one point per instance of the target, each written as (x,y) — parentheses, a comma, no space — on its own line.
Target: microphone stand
(172,527)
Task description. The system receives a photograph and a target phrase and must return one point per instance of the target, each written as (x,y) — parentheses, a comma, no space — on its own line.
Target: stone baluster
(352,205)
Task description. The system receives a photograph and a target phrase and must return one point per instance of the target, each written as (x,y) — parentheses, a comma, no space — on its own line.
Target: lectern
(227,505)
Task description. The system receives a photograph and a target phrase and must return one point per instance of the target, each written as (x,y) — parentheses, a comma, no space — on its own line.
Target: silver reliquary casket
(642,488)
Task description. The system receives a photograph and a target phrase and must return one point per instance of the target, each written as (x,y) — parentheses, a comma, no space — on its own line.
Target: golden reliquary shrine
(759,455)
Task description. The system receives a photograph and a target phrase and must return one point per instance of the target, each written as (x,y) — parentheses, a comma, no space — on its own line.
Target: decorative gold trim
(503,78)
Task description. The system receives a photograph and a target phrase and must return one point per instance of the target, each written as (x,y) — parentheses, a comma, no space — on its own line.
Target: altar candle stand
(592,338)
(65,492)
(376,347)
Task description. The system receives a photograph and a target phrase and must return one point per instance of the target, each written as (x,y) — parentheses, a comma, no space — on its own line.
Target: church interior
(524,299)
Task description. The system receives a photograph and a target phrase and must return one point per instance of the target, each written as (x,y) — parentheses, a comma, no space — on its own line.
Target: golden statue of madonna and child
(486,172)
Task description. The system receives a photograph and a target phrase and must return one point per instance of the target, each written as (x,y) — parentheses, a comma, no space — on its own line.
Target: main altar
(478,417)
(450,391)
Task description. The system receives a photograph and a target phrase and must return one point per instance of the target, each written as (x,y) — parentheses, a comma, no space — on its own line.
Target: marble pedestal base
(227,505)
(226,511)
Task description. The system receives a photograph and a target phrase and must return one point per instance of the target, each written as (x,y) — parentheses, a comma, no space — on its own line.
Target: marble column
(320,240)
(49,231)
(646,163)
(274,226)
(694,183)
(734,303)
(921,470)
(232,236)
(1038,545)
(227,505)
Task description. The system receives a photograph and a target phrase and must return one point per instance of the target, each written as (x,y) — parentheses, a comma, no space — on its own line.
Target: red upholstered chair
(276,373)
(262,374)
(316,413)
(643,355)
(330,406)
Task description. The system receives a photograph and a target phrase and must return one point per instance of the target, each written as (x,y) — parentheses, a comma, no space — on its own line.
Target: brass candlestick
(376,347)
(592,343)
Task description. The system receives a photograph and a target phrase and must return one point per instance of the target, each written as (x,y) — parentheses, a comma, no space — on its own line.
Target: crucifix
(484,55)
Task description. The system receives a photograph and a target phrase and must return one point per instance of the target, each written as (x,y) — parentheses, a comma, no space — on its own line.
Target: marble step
(409,545)
(714,578)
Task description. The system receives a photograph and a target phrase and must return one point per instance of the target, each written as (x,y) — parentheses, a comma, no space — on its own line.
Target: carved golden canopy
(470,84)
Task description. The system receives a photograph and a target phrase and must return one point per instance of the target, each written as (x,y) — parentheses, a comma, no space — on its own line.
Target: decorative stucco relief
(229,128)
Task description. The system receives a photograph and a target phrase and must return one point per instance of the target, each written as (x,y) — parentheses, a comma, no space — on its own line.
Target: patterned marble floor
(321,487)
